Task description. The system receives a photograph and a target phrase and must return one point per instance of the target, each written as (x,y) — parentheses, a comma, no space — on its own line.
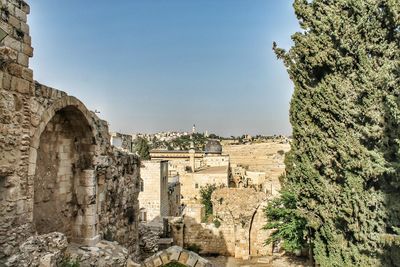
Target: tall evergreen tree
(345,113)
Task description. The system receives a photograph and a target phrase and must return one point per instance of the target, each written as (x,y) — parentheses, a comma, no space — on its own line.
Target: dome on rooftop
(213,147)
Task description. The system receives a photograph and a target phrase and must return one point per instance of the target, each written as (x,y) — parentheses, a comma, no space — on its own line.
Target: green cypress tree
(345,113)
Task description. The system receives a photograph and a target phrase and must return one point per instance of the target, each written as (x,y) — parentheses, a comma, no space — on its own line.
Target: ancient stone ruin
(66,191)
(58,172)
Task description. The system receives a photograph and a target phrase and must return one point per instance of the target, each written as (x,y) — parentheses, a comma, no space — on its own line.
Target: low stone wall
(237,228)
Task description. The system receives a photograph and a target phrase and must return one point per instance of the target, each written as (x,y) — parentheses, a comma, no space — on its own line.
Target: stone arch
(61,167)
(251,233)
(177,254)
(257,235)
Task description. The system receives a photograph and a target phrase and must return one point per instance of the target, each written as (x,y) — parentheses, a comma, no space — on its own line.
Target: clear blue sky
(158,65)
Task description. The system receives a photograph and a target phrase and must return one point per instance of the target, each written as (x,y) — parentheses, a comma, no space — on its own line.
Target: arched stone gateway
(61,163)
(176,254)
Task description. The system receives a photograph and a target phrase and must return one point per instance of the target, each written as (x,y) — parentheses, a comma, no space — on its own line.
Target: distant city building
(153,198)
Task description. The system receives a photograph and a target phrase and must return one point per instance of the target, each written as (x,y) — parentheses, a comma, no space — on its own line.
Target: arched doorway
(257,235)
(64,181)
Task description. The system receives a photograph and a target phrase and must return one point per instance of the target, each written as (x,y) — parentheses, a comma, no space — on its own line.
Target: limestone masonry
(58,171)
(71,192)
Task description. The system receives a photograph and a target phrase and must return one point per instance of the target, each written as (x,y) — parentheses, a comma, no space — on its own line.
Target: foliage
(194,247)
(217,223)
(287,224)
(68,262)
(344,161)
(143,148)
(182,142)
(205,194)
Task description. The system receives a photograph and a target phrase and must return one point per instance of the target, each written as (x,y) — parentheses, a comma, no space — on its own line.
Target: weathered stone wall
(16,83)
(216,160)
(55,156)
(237,227)
(118,188)
(240,211)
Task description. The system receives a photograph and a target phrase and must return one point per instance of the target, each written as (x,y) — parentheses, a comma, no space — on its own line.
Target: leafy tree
(345,154)
(205,194)
(143,148)
(288,225)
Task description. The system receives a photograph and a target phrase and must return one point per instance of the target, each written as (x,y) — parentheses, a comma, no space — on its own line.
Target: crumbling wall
(16,125)
(240,212)
(118,188)
(55,156)
(236,230)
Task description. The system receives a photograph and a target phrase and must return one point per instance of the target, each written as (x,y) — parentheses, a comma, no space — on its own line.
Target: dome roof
(213,146)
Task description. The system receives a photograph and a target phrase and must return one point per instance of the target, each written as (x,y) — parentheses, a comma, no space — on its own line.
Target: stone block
(24,28)
(131,263)
(192,259)
(89,219)
(157,262)
(14,21)
(31,168)
(20,85)
(164,257)
(174,253)
(203,263)
(27,40)
(6,81)
(87,178)
(48,260)
(183,258)
(20,14)
(23,59)
(27,74)
(91,209)
(32,155)
(64,187)
(15,69)
(25,7)
(87,231)
(21,207)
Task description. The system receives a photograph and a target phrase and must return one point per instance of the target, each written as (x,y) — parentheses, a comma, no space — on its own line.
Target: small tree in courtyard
(143,148)
(205,194)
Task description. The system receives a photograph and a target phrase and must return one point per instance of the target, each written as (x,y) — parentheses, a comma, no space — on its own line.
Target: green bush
(289,227)
(205,194)
(217,223)
(68,262)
